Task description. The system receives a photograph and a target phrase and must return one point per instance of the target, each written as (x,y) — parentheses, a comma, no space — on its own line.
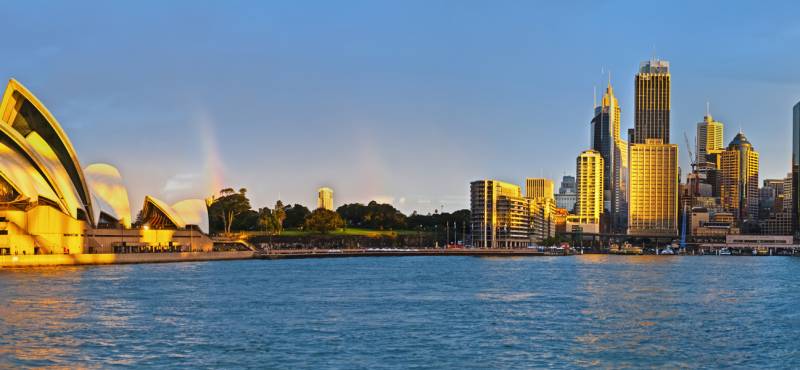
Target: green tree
(268,221)
(353,214)
(372,216)
(323,221)
(295,216)
(228,206)
(279,215)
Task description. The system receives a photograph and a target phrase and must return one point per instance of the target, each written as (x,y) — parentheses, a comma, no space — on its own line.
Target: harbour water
(407,312)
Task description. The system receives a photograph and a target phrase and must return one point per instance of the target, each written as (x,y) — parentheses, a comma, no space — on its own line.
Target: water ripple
(416,312)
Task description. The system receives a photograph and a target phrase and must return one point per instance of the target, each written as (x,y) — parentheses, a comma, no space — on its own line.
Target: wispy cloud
(181,183)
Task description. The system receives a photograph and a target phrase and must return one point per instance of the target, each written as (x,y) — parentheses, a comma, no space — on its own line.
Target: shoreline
(43,260)
(344,253)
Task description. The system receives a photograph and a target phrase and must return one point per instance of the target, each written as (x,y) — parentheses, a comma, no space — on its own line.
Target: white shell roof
(167,210)
(61,177)
(193,212)
(109,194)
(23,176)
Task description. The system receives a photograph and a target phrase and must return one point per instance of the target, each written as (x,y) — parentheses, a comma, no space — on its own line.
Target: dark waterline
(407,312)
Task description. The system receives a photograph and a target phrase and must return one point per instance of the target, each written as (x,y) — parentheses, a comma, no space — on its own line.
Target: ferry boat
(627,248)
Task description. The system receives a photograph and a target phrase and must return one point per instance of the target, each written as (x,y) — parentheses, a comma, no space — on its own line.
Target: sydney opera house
(50,204)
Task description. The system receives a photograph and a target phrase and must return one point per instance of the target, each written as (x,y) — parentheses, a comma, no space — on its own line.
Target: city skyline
(225,100)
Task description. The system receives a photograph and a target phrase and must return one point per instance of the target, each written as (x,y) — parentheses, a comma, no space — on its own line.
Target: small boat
(667,251)
(724,252)
(627,248)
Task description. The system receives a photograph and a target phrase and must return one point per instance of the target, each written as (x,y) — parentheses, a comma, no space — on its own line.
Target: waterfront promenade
(392,252)
(37,260)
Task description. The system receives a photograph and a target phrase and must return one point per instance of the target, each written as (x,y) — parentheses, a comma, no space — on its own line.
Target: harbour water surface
(407,312)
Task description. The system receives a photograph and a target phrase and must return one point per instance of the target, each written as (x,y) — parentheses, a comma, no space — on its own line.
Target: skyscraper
(589,206)
(539,188)
(653,207)
(614,150)
(652,102)
(567,185)
(795,193)
(739,179)
(325,198)
(709,141)
(567,194)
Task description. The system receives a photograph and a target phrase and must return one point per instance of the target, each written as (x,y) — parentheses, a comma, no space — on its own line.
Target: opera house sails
(49,204)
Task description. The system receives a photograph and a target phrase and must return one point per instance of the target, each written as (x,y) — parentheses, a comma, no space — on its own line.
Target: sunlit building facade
(543,218)
(652,104)
(739,180)
(614,150)
(653,189)
(541,198)
(325,198)
(500,216)
(539,188)
(709,142)
(589,207)
(795,190)
(49,204)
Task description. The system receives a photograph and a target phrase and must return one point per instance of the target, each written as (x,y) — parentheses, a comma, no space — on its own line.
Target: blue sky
(401,101)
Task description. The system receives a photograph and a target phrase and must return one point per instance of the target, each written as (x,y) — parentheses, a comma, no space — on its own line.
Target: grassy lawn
(353,231)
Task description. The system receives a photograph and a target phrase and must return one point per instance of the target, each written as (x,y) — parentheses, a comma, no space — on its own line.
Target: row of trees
(231,211)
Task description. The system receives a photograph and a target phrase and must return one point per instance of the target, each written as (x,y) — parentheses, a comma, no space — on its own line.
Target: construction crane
(692,159)
(689,189)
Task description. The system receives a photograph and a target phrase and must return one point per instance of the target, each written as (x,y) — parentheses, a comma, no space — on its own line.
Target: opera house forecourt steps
(53,211)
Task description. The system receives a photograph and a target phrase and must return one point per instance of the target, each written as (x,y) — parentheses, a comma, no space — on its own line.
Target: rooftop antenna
(708,108)
(594,97)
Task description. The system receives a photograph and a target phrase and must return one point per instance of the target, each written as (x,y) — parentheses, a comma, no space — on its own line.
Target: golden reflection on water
(627,260)
(41,321)
(612,300)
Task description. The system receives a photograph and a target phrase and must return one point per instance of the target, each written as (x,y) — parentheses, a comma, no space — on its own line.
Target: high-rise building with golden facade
(589,207)
(325,198)
(653,203)
(709,141)
(606,140)
(739,179)
(652,104)
(794,191)
(539,188)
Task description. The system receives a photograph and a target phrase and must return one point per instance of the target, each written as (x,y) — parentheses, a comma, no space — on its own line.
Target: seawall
(109,258)
(336,253)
